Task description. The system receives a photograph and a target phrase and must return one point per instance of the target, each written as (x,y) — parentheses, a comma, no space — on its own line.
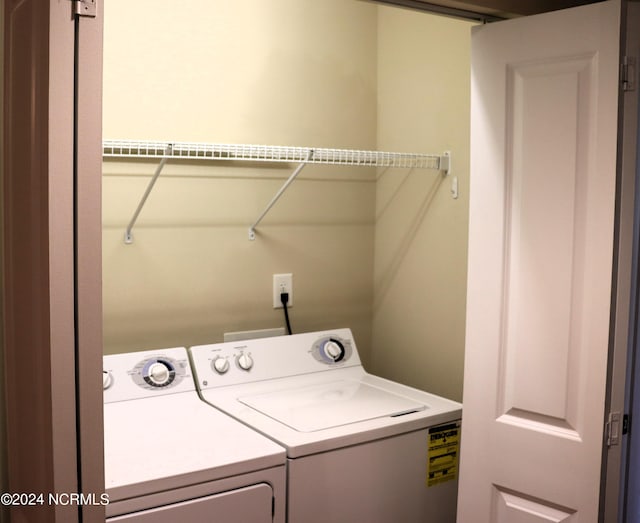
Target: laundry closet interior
(378,249)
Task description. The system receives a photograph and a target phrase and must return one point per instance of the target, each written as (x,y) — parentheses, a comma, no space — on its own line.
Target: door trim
(88,258)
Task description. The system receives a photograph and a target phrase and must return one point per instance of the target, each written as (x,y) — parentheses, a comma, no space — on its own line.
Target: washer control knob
(245,361)
(107,379)
(159,373)
(333,349)
(220,365)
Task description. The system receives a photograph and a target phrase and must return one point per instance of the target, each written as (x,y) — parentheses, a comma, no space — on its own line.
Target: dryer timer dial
(158,372)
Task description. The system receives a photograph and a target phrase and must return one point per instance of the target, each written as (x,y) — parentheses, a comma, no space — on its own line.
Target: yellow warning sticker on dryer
(442,453)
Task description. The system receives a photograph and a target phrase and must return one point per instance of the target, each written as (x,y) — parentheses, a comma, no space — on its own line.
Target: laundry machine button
(159,374)
(220,365)
(107,379)
(245,361)
(333,349)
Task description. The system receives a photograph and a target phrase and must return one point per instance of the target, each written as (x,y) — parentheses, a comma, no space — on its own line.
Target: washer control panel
(236,362)
(220,361)
(143,374)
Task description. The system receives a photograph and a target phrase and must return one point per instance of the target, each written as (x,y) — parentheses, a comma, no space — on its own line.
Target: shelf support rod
(128,236)
(252,231)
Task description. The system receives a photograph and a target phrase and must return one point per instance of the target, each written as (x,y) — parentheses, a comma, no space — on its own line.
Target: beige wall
(328,74)
(421,231)
(283,72)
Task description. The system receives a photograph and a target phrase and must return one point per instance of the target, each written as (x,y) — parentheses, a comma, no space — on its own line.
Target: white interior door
(543,177)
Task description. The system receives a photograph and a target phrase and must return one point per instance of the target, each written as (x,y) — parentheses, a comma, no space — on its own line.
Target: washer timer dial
(331,350)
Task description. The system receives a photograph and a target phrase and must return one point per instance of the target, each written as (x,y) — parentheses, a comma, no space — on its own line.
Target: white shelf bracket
(445,163)
(128,236)
(252,229)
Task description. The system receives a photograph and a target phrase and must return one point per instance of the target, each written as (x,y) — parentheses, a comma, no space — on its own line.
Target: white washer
(170,457)
(360,447)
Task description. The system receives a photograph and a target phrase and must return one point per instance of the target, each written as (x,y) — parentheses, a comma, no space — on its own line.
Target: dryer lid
(330,404)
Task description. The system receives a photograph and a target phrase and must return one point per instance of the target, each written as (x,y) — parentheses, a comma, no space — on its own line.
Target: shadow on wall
(387,275)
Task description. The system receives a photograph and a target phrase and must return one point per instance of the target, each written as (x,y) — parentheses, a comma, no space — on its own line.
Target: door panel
(518,508)
(545,220)
(543,178)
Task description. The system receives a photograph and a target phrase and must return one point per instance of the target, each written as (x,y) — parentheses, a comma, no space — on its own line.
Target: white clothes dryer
(360,448)
(169,457)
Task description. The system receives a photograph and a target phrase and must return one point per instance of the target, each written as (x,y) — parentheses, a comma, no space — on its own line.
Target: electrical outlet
(282,283)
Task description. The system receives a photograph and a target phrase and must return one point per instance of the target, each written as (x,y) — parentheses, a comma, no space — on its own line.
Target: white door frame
(614,450)
(51,313)
(38,335)
(88,245)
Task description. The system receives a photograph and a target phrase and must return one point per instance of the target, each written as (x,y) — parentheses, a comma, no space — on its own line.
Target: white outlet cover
(282,283)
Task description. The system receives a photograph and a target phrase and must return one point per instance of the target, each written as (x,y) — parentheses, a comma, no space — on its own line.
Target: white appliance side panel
(249,504)
(377,482)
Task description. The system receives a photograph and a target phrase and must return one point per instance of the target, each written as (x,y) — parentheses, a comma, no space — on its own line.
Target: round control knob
(245,361)
(159,374)
(107,379)
(333,349)
(155,372)
(221,365)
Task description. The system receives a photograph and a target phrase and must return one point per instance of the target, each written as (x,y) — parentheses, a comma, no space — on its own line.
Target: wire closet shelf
(164,151)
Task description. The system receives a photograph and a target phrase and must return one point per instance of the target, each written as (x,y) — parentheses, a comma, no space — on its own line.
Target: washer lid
(331,404)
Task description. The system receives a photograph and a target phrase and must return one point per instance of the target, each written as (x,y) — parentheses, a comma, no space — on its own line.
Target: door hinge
(628,73)
(617,425)
(85,8)
(613,429)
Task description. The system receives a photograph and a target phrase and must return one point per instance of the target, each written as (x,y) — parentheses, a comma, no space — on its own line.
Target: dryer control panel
(137,375)
(237,362)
